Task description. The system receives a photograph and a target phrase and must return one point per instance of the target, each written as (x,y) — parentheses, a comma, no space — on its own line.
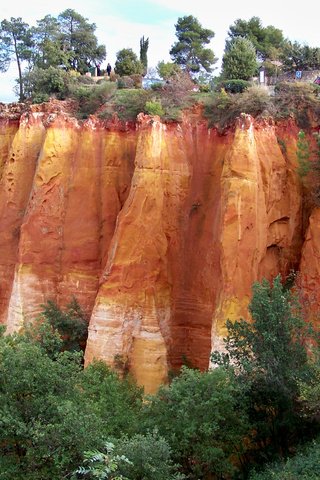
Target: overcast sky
(121,23)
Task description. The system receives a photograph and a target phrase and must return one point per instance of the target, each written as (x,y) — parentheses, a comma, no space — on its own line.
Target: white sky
(121,23)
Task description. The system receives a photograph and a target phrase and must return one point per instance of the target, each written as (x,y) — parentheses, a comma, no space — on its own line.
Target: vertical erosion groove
(159,230)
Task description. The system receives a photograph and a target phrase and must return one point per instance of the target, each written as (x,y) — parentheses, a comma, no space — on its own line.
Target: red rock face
(158,230)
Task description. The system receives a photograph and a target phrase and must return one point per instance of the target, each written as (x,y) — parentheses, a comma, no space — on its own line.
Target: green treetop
(127,63)
(239,60)
(189,51)
(15,44)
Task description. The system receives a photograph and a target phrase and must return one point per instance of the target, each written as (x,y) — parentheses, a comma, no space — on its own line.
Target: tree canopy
(15,43)
(268,41)
(239,60)
(189,51)
(271,357)
(79,41)
(127,63)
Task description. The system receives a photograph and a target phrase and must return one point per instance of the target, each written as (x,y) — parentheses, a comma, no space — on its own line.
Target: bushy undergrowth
(90,98)
(223,108)
(304,465)
(301,100)
(298,100)
(56,418)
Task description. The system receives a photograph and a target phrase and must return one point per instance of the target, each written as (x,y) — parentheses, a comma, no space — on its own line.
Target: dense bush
(126,103)
(154,107)
(222,108)
(233,86)
(117,402)
(71,323)
(201,417)
(150,458)
(271,358)
(40,84)
(298,99)
(45,422)
(52,410)
(91,98)
(305,465)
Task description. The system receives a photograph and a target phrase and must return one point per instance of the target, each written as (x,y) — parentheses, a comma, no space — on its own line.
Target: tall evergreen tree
(239,60)
(189,51)
(268,41)
(144,45)
(79,41)
(15,43)
(47,51)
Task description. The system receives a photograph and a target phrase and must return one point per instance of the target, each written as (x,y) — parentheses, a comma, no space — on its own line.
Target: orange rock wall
(158,229)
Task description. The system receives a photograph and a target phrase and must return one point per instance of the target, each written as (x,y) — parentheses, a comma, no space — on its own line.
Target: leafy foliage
(15,42)
(304,465)
(71,323)
(239,60)
(270,356)
(233,86)
(168,69)
(222,108)
(127,63)
(298,99)
(46,48)
(200,416)
(117,402)
(303,154)
(126,103)
(40,84)
(154,107)
(101,465)
(189,51)
(144,45)
(149,458)
(267,41)
(44,422)
(295,56)
(79,41)
(91,98)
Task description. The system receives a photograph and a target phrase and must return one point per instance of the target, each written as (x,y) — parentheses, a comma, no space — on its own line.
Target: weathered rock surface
(158,229)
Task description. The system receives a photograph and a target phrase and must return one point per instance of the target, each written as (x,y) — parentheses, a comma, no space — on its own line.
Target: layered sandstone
(158,229)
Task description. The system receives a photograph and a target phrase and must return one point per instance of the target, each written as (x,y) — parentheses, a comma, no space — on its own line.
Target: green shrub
(101,465)
(40,98)
(71,323)
(299,99)
(223,108)
(117,402)
(45,422)
(125,82)
(154,107)
(149,458)
(270,355)
(157,86)
(305,465)
(42,83)
(205,88)
(233,86)
(200,416)
(90,98)
(83,79)
(127,104)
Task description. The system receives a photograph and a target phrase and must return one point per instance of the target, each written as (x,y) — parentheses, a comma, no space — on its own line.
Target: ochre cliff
(158,229)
